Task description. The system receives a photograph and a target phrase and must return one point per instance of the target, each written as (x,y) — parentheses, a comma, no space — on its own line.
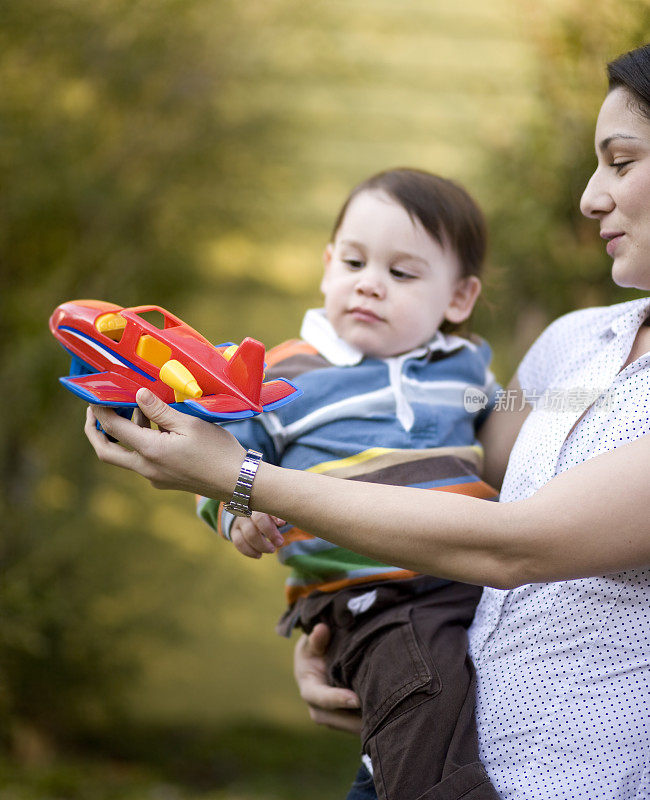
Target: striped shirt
(404,420)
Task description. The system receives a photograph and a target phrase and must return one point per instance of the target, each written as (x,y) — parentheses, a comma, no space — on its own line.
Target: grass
(247,761)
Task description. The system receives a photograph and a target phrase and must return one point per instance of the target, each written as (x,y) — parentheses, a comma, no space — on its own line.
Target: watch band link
(241,496)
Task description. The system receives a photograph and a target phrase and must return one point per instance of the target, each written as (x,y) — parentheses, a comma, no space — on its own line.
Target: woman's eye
(619,165)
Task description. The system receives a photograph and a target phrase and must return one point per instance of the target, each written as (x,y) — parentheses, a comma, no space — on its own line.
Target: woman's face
(618,193)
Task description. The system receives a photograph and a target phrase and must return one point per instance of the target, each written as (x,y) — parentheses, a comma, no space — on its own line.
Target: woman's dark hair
(444,208)
(631,71)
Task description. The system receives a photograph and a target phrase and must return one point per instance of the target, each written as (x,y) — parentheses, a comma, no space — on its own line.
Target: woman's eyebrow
(606,142)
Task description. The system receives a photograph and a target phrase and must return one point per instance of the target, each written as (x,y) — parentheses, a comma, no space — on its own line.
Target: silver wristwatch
(241,495)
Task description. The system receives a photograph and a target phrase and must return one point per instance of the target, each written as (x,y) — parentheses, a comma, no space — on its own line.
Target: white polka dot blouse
(563,668)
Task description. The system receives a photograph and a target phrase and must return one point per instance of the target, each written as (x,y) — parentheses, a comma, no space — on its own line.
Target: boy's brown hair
(444,208)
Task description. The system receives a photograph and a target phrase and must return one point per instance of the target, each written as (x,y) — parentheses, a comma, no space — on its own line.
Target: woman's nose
(596,199)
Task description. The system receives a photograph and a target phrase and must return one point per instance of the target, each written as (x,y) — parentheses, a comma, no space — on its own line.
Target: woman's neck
(641,343)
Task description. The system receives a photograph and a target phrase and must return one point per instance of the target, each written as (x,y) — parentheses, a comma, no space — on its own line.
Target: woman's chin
(627,278)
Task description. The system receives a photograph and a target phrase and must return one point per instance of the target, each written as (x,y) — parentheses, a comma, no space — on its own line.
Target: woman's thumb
(154,409)
(319,639)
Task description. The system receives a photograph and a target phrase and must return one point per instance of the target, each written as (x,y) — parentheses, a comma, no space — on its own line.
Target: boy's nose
(370,286)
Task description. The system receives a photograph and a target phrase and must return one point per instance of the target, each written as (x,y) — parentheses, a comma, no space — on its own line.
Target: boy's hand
(253,536)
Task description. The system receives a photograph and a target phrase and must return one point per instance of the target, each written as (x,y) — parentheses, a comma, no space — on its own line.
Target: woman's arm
(564,531)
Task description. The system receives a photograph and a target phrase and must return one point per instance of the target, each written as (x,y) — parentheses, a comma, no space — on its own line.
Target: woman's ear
(462,303)
(327,260)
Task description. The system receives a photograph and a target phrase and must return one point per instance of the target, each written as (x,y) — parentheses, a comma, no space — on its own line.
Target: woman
(560,640)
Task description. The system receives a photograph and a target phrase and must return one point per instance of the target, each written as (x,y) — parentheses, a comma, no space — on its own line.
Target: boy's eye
(353,263)
(401,275)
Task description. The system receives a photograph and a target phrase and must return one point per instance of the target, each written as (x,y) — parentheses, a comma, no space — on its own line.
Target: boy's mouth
(364,314)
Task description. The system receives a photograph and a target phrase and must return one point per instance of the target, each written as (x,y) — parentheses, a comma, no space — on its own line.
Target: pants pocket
(470,782)
(386,667)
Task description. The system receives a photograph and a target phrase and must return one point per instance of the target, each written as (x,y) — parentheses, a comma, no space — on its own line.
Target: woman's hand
(186,453)
(336,708)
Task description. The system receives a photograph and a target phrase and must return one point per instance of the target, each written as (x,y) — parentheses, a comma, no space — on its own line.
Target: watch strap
(241,496)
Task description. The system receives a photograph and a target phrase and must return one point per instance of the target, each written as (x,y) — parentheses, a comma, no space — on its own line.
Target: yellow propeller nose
(181,380)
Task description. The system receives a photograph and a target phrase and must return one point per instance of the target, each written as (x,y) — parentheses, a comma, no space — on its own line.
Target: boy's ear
(462,303)
(327,260)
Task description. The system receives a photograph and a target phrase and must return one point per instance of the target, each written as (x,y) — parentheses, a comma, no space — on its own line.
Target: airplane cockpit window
(157,319)
(154,318)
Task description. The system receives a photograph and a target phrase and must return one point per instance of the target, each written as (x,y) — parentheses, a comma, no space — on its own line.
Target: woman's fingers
(125,431)
(108,451)
(318,641)
(346,721)
(136,447)
(184,453)
(140,419)
(328,705)
(153,408)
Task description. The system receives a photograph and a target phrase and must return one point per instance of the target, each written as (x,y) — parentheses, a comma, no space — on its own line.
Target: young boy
(383,401)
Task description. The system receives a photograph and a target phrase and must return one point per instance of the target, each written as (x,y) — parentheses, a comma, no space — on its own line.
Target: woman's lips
(613,240)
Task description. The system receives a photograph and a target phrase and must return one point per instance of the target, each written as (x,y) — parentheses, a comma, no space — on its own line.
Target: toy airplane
(116,351)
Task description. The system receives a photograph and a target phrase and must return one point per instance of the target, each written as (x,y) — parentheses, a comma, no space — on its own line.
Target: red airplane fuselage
(137,349)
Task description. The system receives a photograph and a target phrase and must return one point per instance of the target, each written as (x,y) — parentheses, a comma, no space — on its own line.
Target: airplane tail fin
(246,368)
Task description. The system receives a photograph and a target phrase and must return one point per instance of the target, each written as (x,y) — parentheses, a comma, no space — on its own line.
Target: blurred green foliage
(246,761)
(193,153)
(547,257)
(117,156)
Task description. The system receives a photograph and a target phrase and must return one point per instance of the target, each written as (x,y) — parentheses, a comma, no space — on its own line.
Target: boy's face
(388,284)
